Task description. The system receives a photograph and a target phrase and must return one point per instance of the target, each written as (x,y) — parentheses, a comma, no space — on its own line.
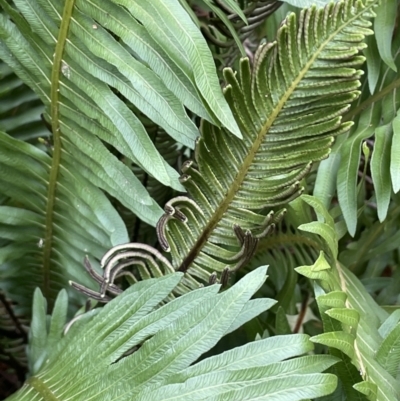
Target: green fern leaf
(288,108)
(388,354)
(90,361)
(357,330)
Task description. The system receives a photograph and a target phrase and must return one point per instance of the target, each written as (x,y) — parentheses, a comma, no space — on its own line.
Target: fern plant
(159,183)
(175,337)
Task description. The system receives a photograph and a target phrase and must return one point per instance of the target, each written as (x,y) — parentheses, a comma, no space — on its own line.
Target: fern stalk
(371,100)
(55,126)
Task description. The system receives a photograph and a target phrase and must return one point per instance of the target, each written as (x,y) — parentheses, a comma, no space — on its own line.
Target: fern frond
(20,108)
(289,109)
(90,361)
(356,328)
(84,211)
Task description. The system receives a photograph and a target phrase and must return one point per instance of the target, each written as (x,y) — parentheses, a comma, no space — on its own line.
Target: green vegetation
(245,241)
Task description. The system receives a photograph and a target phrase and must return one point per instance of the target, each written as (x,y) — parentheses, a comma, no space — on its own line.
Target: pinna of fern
(288,107)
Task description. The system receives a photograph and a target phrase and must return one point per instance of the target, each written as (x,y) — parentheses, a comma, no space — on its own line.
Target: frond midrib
(56,156)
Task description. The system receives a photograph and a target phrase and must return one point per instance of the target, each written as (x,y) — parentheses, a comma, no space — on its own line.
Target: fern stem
(55,126)
(40,386)
(302,314)
(371,100)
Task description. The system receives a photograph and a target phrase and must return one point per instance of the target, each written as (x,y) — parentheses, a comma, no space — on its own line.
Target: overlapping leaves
(376,119)
(89,362)
(285,249)
(357,330)
(78,228)
(20,108)
(111,64)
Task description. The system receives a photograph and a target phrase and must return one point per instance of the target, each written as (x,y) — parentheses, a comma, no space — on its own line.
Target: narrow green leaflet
(326,232)
(44,336)
(325,183)
(340,340)
(367,388)
(222,16)
(347,173)
(373,63)
(383,26)
(241,385)
(37,333)
(233,5)
(395,155)
(321,211)
(57,320)
(380,168)
(325,227)
(258,353)
(252,309)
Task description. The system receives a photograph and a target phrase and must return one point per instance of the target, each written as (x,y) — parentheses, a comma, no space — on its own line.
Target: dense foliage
(130,178)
